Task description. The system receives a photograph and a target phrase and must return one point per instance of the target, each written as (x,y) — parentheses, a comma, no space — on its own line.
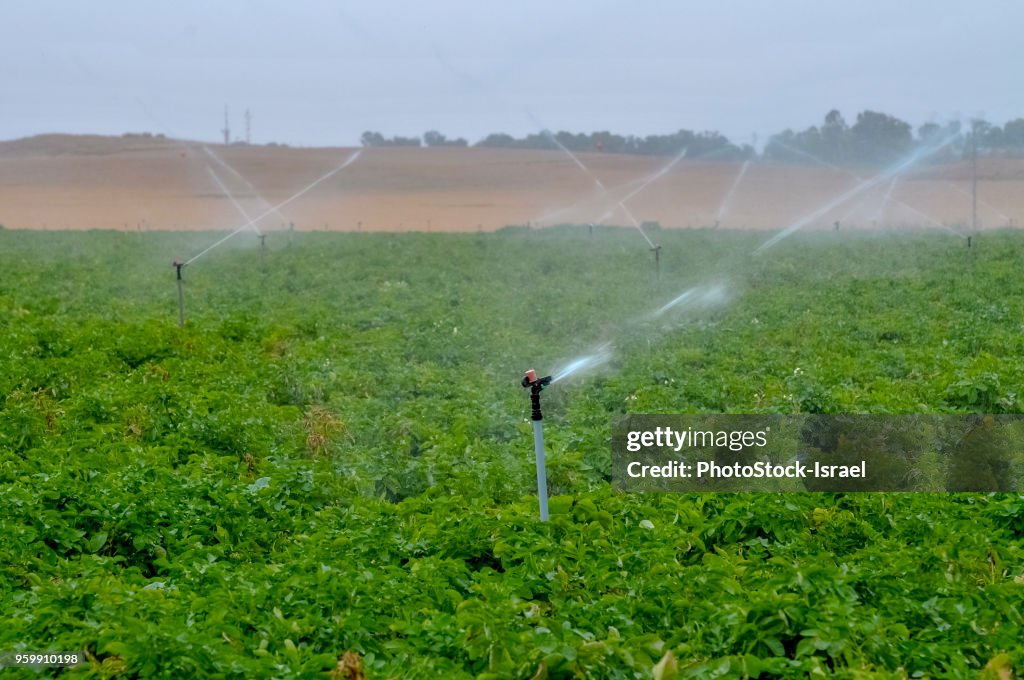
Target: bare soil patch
(147,183)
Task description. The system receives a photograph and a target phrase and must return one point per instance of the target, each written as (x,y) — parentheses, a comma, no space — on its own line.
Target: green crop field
(328,472)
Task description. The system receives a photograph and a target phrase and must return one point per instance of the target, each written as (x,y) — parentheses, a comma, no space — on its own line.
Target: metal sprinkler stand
(657,260)
(536,385)
(178,264)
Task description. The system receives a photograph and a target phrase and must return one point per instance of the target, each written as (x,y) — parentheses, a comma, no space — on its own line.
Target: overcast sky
(320,73)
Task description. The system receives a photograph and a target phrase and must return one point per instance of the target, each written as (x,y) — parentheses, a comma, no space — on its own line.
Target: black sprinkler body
(536,385)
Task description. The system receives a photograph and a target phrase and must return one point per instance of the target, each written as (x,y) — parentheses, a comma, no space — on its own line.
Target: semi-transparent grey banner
(871,452)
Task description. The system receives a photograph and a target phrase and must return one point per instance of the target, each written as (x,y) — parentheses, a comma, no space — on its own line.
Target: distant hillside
(63,144)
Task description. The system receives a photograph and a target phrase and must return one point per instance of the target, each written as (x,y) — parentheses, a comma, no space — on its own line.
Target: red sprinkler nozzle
(531,380)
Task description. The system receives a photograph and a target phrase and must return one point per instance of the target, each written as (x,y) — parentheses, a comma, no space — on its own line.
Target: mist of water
(230,168)
(641,185)
(309,187)
(656,176)
(575,159)
(705,296)
(1003,217)
(582,364)
(636,224)
(892,172)
(701,297)
(885,200)
(928,219)
(854,208)
(723,208)
(227,192)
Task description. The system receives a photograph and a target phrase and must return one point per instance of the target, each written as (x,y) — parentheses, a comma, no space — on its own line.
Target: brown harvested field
(88,182)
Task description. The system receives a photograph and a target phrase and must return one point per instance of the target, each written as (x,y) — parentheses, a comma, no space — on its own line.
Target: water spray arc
(639,185)
(656,176)
(655,248)
(886,199)
(601,187)
(865,185)
(713,295)
(219,160)
(249,224)
(351,159)
(723,208)
(238,206)
(575,159)
(927,218)
(600,356)
(536,386)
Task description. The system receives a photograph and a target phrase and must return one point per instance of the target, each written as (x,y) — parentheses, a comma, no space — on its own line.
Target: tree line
(873,138)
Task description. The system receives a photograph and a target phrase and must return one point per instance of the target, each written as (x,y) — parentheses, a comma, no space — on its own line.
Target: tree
(880,138)
(990,137)
(369,138)
(433,138)
(929,133)
(835,137)
(782,147)
(497,140)
(1013,135)
(404,141)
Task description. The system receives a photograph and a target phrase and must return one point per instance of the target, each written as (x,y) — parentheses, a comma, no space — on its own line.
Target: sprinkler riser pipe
(536,386)
(542,480)
(181,303)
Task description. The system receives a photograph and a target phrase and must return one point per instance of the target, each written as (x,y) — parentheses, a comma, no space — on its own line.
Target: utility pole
(248,127)
(227,127)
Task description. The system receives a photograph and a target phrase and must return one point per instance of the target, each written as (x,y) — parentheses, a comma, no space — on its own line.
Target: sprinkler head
(531,380)
(536,385)
(178,264)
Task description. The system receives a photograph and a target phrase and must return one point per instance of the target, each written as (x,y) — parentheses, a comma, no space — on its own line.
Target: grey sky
(318,73)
